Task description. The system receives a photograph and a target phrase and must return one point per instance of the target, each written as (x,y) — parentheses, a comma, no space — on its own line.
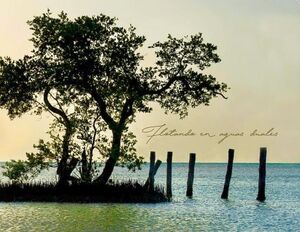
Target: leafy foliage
(19,171)
(93,67)
(16,171)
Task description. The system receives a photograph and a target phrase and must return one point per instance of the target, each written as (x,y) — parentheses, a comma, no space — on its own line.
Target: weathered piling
(169,175)
(228,174)
(262,174)
(190,180)
(156,167)
(151,171)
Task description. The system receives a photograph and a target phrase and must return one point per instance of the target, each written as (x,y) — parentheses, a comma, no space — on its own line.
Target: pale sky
(258,42)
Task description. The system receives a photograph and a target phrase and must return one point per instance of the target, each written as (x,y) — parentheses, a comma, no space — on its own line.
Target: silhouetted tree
(20,93)
(92,135)
(95,57)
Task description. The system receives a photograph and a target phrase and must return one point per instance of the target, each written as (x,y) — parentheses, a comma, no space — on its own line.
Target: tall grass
(121,192)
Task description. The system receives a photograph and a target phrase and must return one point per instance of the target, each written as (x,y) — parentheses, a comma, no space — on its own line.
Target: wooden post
(262,174)
(156,167)
(151,171)
(190,180)
(169,175)
(228,174)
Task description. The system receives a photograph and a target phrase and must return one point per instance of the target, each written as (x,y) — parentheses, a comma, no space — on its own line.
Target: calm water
(205,212)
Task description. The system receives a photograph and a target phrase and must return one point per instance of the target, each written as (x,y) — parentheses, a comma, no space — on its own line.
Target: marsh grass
(116,191)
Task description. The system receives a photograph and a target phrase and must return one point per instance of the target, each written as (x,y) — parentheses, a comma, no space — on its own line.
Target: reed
(115,191)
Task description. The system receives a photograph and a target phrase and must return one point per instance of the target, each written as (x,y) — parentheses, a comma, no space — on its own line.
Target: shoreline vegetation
(113,192)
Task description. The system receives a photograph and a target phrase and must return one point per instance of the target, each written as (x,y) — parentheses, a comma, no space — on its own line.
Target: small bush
(16,170)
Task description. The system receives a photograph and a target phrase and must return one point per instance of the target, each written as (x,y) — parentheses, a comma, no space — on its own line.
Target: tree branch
(46,108)
(98,98)
(218,93)
(56,99)
(54,109)
(126,111)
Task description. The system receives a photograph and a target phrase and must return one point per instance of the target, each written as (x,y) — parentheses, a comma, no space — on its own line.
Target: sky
(258,42)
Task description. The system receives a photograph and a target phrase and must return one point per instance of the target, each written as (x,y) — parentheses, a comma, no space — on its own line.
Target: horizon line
(214,162)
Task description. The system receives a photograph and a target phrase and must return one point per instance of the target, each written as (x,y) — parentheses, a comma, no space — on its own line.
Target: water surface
(205,212)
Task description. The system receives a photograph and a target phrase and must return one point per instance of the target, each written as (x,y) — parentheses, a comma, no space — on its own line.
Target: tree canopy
(93,58)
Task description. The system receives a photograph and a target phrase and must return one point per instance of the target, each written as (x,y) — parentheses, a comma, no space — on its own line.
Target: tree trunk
(62,180)
(107,171)
(62,169)
(112,160)
(65,175)
(85,170)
